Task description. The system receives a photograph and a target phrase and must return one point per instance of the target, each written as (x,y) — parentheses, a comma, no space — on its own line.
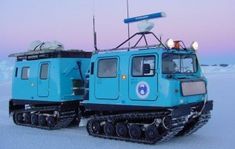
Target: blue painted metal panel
(69,71)
(143,87)
(145,17)
(109,85)
(58,87)
(27,88)
(164,92)
(43,84)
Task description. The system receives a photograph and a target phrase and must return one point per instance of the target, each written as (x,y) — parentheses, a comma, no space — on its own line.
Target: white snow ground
(219,133)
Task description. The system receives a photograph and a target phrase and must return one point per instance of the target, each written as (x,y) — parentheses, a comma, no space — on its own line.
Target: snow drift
(219,69)
(6,68)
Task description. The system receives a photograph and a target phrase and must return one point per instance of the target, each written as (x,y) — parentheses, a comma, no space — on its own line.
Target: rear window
(25,73)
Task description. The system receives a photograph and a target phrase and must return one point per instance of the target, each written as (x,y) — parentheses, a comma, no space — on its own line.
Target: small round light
(124,77)
(195,45)
(170,43)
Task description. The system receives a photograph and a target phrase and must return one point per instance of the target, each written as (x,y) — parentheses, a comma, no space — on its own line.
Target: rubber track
(63,121)
(177,126)
(202,120)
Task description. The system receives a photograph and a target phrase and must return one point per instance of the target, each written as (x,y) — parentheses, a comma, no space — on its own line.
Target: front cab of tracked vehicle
(147,79)
(149,93)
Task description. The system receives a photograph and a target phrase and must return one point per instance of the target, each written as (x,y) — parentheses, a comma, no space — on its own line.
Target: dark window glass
(16,72)
(44,71)
(138,66)
(92,68)
(25,73)
(107,68)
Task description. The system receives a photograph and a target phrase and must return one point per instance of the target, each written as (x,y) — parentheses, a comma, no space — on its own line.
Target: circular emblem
(142,90)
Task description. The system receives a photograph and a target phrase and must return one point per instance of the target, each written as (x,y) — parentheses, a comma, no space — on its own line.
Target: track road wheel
(96,127)
(18,117)
(109,129)
(34,119)
(121,130)
(167,122)
(135,131)
(42,120)
(151,133)
(51,121)
(165,125)
(27,118)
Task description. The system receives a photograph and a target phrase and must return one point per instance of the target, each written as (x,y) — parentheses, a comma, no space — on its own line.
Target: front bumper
(187,109)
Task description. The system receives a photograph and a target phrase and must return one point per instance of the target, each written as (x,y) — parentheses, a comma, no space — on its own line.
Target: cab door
(43,79)
(107,80)
(143,83)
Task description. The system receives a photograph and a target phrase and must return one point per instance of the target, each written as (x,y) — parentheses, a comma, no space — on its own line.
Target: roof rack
(43,54)
(142,37)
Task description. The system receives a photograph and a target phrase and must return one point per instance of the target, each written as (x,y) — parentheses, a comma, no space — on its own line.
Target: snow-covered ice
(219,133)
(219,69)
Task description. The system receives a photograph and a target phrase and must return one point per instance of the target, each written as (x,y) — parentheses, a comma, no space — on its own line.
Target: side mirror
(146,68)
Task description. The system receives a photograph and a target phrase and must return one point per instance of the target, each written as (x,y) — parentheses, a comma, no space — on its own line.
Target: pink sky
(211,23)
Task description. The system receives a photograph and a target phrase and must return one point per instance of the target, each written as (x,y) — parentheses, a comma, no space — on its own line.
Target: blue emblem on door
(142,90)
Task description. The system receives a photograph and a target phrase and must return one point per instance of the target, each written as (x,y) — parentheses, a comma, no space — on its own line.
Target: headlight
(170,43)
(195,45)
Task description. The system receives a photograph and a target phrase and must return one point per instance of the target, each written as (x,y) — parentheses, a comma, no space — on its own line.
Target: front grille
(193,88)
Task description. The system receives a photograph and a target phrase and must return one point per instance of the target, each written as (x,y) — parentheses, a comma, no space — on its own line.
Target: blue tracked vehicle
(143,94)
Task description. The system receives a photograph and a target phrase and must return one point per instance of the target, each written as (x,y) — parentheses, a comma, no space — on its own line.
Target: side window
(107,68)
(92,68)
(138,66)
(44,71)
(25,73)
(16,72)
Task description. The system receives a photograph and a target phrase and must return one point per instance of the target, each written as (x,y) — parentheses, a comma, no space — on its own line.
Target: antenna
(94,34)
(128,25)
(145,28)
(145,17)
(94,30)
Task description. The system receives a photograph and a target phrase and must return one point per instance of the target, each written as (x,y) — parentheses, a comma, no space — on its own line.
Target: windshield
(179,63)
